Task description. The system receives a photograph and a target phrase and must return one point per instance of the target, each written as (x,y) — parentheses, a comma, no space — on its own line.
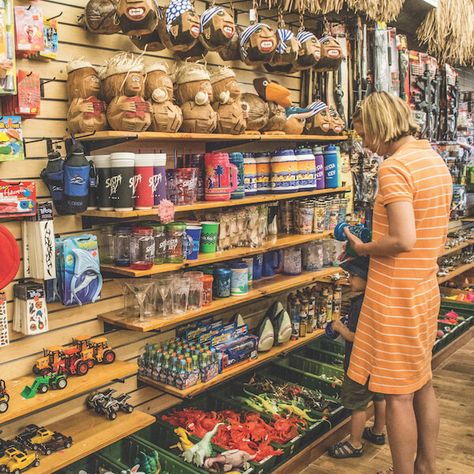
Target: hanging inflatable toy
(179,28)
(257,44)
(227,102)
(100,16)
(123,88)
(86,112)
(310,51)
(166,116)
(217,28)
(331,54)
(138,17)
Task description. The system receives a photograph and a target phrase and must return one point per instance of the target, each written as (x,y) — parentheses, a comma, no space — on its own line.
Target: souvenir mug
(221,177)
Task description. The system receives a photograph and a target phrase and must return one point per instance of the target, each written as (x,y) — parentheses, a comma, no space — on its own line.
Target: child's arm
(343,331)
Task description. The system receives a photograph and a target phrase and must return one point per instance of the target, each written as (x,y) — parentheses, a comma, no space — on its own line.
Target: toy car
(104,403)
(15,461)
(43,383)
(4,397)
(44,440)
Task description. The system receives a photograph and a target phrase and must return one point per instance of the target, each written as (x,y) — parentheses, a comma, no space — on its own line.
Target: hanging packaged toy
(51,40)
(100,16)
(11,139)
(179,27)
(29,30)
(86,112)
(123,88)
(17,198)
(31,313)
(28,100)
(7,49)
(217,28)
(78,269)
(137,17)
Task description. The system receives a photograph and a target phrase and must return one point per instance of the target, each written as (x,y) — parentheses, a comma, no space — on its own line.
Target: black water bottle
(52,176)
(76,180)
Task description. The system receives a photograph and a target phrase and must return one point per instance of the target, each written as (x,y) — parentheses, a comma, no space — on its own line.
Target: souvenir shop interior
(177,178)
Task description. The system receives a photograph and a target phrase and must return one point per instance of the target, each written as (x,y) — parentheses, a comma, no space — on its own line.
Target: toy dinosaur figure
(202,450)
(183,444)
(228,461)
(291,408)
(267,403)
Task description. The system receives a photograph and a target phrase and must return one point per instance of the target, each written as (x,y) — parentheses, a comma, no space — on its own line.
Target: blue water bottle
(331,168)
(76,180)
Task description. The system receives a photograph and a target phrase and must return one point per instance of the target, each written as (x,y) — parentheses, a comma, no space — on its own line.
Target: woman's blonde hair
(385,118)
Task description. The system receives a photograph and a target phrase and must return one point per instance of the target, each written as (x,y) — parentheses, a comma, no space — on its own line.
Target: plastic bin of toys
(329,373)
(331,358)
(328,345)
(95,463)
(455,318)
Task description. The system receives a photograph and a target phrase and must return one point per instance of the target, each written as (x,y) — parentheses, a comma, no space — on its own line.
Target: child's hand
(337,325)
(354,241)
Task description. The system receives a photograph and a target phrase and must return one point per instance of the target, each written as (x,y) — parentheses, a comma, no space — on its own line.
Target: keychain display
(179,27)
(123,81)
(4,338)
(31,313)
(166,116)
(7,49)
(217,28)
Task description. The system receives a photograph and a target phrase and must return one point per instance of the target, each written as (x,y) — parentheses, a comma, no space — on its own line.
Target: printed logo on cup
(113,183)
(133,183)
(154,181)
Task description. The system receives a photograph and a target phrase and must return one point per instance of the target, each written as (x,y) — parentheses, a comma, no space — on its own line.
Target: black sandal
(344,450)
(369,435)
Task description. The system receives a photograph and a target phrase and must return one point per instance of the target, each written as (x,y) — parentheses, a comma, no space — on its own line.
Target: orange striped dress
(398,321)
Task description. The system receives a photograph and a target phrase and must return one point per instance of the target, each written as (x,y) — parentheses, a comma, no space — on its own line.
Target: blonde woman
(398,322)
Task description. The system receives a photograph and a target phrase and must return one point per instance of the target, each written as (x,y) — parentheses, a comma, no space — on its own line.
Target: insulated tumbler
(122,181)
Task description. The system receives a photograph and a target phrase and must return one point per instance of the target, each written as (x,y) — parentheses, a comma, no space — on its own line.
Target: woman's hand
(337,325)
(357,245)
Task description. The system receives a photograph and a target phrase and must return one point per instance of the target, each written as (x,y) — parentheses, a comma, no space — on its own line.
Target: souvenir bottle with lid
(284,172)
(250,174)
(103,168)
(76,170)
(331,167)
(52,175)
(319,162)
(144,195)
(306,169)
(159,178)
(263,173)
(237,159)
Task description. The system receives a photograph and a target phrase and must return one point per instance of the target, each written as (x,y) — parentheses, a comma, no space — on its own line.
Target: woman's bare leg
(427,420)
(402,432)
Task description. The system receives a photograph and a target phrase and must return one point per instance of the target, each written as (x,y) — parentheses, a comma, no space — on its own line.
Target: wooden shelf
(235,370)
(258,290)
(204,137)
(457,248)
(206,205)
(457,271)
(90,433)
(98,376)
(208,258)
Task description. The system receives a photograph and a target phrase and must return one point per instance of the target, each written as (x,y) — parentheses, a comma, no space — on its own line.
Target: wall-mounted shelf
(98,140)
(259,289)
(98,376)
(456,272)
(90,432)
(208,258)
(207,205)
(236,370)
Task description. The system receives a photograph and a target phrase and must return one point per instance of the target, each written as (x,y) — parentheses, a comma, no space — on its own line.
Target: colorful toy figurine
(257,44)
(4,397)
(123,88)
(229,461)
(43,383)
(167,116)
(86,112)
(228,105)
(183,444)
(217,28)
(104,403)
(195,96)
(199,452)
(179,26)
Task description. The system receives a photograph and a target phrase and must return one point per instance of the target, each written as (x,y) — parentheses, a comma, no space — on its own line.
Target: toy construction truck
(4,397)
(43,383)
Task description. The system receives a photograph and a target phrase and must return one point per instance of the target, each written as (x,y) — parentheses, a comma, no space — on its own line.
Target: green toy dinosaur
(202,450)
(291,408)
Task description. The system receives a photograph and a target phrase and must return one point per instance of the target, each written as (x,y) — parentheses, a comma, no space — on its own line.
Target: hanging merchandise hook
(253,15)
(43,82)
(29,74)
(55,16)
(29,6)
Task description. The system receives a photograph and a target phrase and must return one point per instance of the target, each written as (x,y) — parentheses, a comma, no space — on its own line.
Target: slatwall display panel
(17,359)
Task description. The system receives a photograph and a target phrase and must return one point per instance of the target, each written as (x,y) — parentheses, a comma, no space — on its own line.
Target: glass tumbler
(207,289)
(107,244)
(195,290)
(163,296)
(123,237)
(142,248)
(180,294)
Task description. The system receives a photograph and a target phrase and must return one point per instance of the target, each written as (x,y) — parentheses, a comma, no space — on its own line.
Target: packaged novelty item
(11,139)
(17,198)
(79,280)
(4,339)
(31,313)
(7,49)
(9,256)
(29,29)
(51,40)
(28,100)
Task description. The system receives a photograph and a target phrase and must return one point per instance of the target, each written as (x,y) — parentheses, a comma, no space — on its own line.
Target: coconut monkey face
(91,84)
(134,84)
(263,40)
(322,120)
(206,87)
(137,17)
